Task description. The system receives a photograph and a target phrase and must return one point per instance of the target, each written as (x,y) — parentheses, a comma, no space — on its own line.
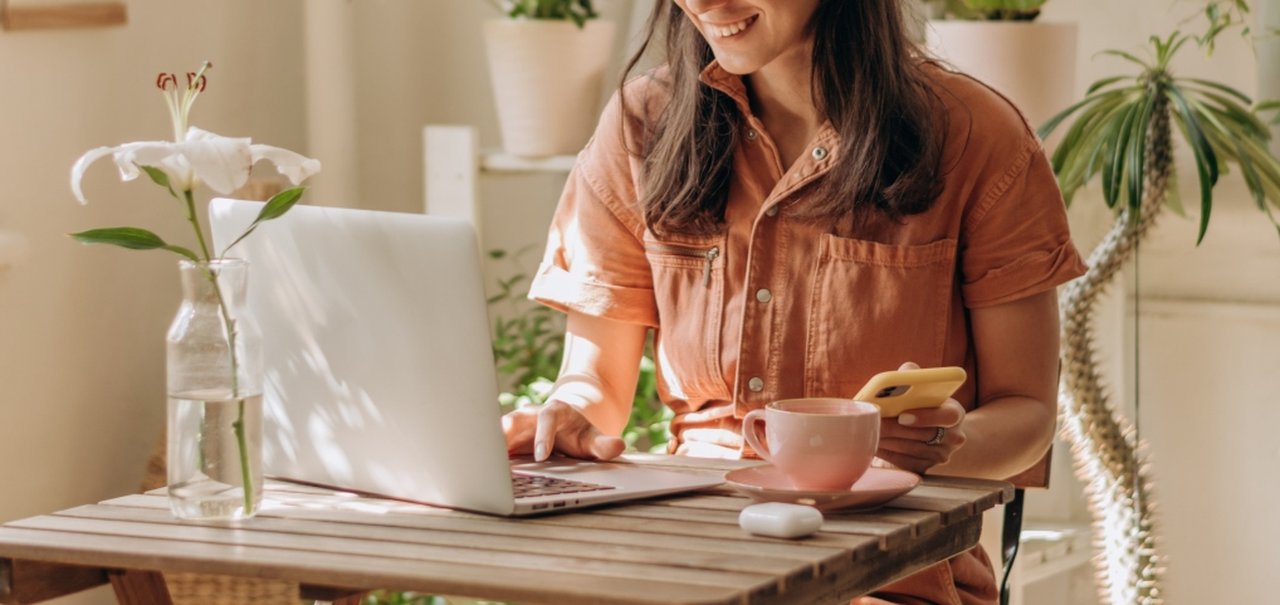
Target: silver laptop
(379,372)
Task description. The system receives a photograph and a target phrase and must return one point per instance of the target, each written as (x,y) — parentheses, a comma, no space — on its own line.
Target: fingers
(544,439)
(561,427)
(949,414)
(906,463)
(606,447)
(910,365)
(517,428)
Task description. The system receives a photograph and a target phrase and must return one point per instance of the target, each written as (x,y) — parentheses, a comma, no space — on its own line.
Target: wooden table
(685,549)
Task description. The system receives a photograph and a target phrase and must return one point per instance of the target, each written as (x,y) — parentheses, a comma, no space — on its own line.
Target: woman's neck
(781,95)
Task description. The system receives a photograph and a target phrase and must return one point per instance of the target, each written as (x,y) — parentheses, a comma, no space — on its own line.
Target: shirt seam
(610,202)
(997,190)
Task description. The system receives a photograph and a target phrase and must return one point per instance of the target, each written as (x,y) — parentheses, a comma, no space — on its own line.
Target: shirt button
(764,295)
(756,384)
(771,211)
(819,153)
(752,134)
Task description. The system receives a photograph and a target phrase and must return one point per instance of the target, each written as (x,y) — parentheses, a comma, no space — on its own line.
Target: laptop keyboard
(527,486)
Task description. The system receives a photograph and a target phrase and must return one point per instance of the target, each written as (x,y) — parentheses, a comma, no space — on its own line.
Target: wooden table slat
(683,549)
(1003,495)
(499,561)
(520,585)
(650,554)
(533,528)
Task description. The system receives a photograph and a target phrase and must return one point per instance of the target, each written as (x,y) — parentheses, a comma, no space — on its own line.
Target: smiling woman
(797,200)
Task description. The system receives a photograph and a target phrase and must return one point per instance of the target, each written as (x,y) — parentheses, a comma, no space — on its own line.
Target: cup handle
(749,433)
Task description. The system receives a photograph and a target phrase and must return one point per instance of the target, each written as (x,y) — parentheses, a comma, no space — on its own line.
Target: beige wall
(81,329)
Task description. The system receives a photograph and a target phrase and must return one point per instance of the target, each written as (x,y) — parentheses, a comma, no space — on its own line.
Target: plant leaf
(1126,56)
(1105,82)
(1114,177)
(275,207)
(1219,87)
(1206,160)
(132,238)
(1047,129)
(1138,152)
(158,177)
(1080,160)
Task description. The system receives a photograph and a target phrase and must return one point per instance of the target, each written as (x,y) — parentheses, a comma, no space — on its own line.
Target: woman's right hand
(557,426)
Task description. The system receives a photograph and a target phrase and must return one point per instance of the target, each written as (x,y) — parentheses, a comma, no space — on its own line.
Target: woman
(795,202)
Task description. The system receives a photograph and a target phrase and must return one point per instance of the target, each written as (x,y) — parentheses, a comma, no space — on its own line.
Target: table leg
(134,587)
(34,581)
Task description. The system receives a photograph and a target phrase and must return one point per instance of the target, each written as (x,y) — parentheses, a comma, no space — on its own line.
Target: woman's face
(746,35)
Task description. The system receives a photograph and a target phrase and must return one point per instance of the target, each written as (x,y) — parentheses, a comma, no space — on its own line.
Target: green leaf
(132,238)
(158,177)
(1219,87)
(1082,160)
(1229,110)
(275,207)
(1138,152)
(1047,129)
(1105,82)
(497,253)
(1126,56)
(1114,178)
(1206,160)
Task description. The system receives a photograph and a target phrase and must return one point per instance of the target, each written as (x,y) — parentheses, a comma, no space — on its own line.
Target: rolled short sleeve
(595,262)
(1016,242)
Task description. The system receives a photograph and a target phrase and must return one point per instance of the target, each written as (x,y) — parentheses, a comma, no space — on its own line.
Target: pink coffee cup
(818,443)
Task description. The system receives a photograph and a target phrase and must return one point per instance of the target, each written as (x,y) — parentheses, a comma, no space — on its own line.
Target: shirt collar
(730,84)
(719,78)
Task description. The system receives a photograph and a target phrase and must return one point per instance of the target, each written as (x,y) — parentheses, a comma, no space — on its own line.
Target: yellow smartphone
(900,390)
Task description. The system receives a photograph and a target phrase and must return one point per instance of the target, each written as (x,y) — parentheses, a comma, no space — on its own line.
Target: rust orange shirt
(777,306)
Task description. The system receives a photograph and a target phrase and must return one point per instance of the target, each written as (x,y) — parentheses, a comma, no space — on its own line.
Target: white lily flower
(222,163)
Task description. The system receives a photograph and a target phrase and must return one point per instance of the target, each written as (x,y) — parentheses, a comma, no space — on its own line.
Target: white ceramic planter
(547,82)
(1032,63)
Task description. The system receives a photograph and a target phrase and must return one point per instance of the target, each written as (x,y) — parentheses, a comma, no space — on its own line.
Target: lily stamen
(163,80)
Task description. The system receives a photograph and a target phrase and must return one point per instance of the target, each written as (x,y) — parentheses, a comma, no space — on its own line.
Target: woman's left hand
(923,438)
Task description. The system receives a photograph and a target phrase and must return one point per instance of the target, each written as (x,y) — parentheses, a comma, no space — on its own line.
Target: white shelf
(498,161)
(13,249)
(454,162)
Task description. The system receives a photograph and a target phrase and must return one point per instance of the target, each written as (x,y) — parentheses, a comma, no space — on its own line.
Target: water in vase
(206,467)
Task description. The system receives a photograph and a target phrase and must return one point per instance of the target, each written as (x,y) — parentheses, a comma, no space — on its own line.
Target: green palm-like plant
(1112,135)
(1123,133)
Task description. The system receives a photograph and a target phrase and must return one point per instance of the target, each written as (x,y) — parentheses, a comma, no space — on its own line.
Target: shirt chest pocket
(874,307)
(688,280)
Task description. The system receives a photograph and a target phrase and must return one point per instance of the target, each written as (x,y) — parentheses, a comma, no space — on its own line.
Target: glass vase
(214,368)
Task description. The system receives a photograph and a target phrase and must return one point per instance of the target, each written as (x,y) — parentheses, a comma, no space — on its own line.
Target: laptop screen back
(379,374)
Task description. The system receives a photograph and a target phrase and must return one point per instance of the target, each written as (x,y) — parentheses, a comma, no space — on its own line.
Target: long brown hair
(867,80)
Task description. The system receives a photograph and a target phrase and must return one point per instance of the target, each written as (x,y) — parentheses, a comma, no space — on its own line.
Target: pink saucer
(876,487)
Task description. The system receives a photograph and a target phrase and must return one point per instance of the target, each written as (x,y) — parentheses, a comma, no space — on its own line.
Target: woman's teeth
(725,31)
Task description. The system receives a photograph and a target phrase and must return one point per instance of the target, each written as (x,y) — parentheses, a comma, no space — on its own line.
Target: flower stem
(229,325)
(245,476)
(195,224)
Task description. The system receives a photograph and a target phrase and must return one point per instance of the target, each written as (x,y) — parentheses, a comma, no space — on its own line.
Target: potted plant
(547,60)
(1002,43)
(1123,132)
